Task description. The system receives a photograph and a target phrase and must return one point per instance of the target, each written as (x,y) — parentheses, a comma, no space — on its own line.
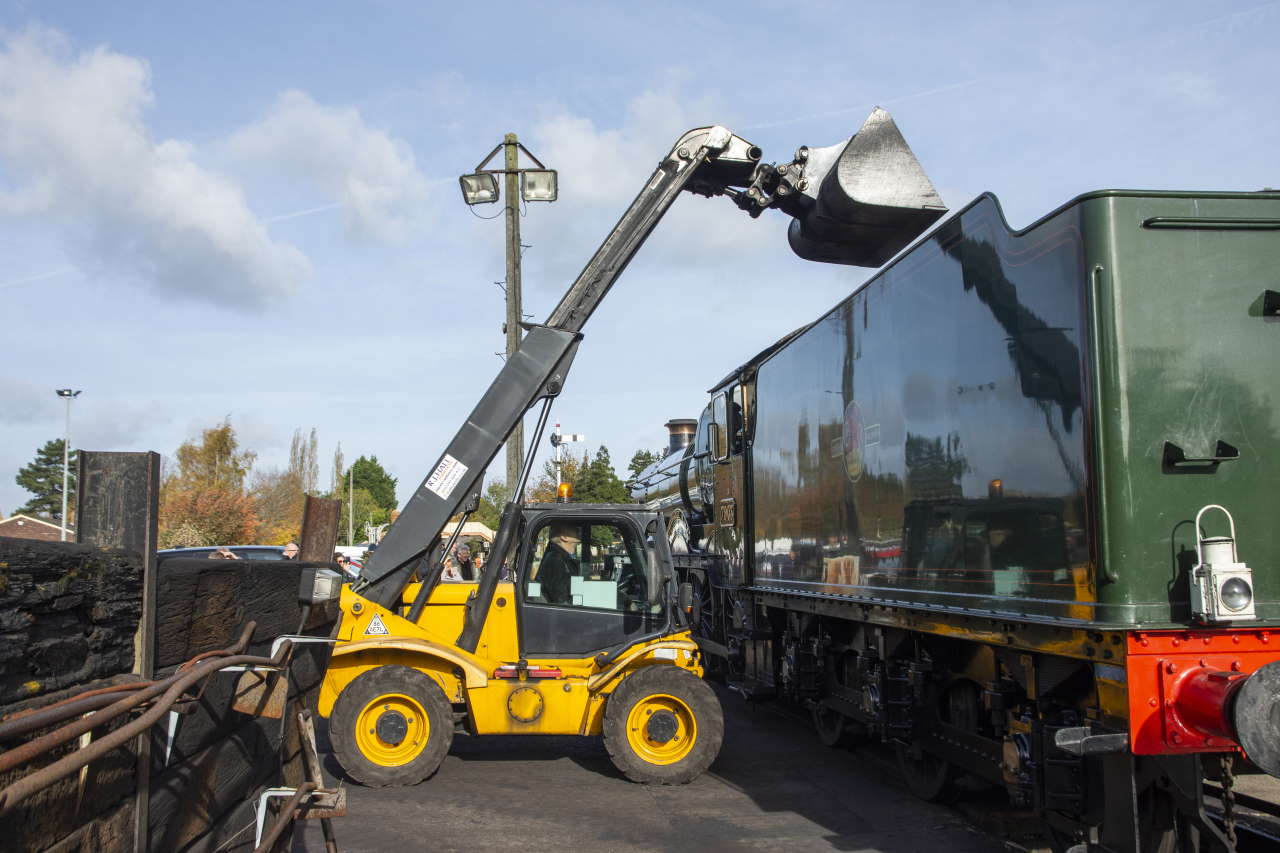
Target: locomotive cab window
(728,428)
(719,427)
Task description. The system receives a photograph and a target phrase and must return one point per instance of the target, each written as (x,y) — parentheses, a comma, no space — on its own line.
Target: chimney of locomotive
(680,434)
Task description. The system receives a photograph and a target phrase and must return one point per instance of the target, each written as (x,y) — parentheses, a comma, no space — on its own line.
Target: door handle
(1175,458)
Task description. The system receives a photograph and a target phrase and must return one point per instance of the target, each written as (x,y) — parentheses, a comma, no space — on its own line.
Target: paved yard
(774,787)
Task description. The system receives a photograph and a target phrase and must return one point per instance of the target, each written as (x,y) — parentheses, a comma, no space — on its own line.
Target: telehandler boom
(576,625)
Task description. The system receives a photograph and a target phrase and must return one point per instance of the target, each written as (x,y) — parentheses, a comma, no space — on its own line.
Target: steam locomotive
(1011,507)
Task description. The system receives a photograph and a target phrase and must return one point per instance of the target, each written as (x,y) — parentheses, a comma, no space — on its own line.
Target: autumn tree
(339,467)
(543,490)
(279,494)
(203,501)
(43,478)
(304,460)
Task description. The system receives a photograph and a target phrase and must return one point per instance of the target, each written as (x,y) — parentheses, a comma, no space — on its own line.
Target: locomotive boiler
(1011,507)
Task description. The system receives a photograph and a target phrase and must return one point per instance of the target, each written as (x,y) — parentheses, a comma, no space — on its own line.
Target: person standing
(465,566)
(291,551)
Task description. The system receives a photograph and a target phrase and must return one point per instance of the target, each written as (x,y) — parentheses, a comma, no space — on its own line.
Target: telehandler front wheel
(391,726)
(663,726)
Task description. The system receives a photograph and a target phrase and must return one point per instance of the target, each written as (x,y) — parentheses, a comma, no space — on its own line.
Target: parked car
(244,552)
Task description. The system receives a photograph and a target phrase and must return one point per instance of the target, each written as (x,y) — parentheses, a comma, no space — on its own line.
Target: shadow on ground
(773,787)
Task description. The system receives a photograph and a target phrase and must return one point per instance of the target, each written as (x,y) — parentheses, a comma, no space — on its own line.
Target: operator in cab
(559,563)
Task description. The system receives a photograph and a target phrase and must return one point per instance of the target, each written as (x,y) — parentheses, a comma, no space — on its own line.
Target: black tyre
(663,726)
(391,726)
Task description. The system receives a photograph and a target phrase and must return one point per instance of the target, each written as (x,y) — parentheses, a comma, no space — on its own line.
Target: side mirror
(653,578)
(686,598)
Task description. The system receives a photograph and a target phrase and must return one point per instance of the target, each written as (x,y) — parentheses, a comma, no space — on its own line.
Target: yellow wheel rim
(392,730)
(662,729)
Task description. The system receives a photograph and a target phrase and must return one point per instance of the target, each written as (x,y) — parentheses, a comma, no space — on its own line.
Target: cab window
(720,422)
(595,564)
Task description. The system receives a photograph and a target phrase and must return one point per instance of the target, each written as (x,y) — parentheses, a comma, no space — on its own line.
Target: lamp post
(68,395)
(481,187)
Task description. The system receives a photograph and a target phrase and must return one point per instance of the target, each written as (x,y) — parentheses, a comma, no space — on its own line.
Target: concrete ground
(774,787)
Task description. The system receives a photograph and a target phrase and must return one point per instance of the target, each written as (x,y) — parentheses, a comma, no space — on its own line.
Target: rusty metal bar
(44,743)
(45,717)
(23,788)
(286,816)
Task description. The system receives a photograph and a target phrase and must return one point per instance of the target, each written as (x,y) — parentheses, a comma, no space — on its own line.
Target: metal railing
(93,709)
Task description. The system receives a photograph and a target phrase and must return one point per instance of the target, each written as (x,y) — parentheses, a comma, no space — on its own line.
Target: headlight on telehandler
(317,585)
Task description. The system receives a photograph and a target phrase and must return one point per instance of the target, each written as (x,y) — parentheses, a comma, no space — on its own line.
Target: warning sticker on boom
(445,478)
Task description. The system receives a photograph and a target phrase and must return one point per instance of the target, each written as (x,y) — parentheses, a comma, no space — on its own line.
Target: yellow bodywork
(370,636)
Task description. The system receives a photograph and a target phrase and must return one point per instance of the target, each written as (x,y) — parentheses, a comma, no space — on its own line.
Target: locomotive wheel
(663,726)
(830,725)
(391,726)
(928,777)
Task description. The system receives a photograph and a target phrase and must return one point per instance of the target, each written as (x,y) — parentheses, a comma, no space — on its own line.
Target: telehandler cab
(577,624)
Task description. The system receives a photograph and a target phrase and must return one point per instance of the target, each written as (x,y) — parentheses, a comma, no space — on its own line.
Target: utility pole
(521,184)
(351,505)
(515,443)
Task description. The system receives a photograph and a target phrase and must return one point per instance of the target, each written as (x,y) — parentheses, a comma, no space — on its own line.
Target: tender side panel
(924,443)
(1188,357)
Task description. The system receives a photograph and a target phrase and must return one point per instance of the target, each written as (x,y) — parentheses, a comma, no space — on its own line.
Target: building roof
(24,519)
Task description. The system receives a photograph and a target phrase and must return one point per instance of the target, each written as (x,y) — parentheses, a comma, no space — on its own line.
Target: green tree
(598,483)
(366,511)
(367,474)
(640,460)
(43,478)
(495,497)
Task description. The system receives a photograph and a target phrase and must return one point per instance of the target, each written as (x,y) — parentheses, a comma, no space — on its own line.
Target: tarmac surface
(774,787)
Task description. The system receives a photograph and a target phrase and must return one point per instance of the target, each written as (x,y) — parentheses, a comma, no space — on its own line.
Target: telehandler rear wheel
(391,726)
(663,726)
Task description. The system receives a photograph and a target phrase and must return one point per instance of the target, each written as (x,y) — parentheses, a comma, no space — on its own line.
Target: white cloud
(76,151)
(603,168)
(373,174)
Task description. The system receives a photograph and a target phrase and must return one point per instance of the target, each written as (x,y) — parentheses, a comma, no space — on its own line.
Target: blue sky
(251,209)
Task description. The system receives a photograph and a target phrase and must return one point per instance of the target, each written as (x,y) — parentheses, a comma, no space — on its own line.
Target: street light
(532,184)
(68,395)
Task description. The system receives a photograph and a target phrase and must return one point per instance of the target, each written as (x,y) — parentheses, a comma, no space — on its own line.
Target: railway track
(1257,814)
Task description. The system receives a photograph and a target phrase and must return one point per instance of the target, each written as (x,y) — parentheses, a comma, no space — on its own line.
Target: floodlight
(538,184)
(479,188)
